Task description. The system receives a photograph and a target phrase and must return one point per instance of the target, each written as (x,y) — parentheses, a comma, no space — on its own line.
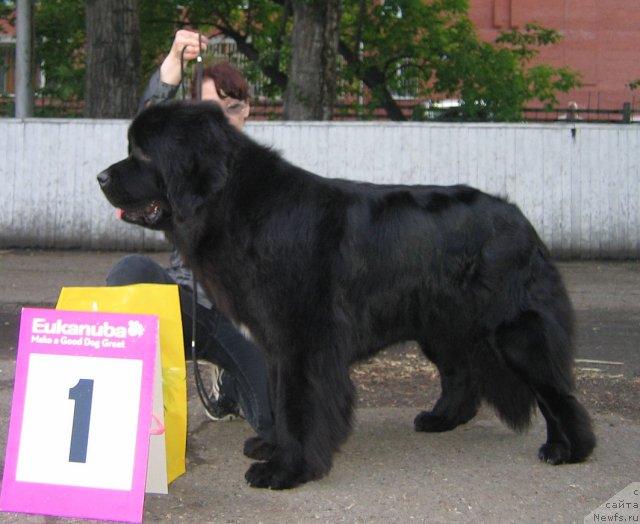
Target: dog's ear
(193,145)
(192,185)
(200,170)
(214,150)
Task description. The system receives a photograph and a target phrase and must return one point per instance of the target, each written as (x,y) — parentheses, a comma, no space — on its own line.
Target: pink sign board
(78,438)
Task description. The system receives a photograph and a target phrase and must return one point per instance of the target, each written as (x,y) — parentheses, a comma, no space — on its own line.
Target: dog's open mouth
(149,215)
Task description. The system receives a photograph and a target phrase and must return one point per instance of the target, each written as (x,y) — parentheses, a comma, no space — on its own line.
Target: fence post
(24,59)
(626,112)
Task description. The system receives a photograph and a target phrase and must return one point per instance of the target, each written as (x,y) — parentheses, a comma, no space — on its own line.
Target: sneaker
(221,407)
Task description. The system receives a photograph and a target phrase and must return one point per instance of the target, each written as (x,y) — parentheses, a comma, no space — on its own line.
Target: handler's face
(236,110)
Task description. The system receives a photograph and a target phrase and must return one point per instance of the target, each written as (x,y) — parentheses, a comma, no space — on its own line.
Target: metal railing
(268,109)
(625,115)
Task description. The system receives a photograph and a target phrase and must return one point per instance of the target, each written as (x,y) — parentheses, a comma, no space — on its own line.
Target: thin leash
(210,407)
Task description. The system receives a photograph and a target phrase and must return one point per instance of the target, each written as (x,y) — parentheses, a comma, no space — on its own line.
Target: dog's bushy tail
(512,399)
(531,352)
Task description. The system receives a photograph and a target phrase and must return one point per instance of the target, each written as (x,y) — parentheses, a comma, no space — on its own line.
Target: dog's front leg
(262,447)
(285,465)
(313,406)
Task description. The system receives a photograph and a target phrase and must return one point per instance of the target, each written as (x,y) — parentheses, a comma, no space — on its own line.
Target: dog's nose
(104,179)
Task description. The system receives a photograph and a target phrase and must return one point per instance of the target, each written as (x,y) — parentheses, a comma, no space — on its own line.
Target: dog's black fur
(325,272)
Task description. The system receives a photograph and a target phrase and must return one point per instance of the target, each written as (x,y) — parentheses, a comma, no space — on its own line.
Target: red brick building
(601,40)
(7,56)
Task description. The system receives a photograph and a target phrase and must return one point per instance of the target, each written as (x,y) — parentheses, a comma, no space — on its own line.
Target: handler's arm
(164,83)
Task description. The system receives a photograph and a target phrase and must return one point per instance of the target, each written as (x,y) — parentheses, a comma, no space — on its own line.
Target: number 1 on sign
(82,393)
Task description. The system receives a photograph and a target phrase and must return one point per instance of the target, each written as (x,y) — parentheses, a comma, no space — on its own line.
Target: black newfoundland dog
(325,272)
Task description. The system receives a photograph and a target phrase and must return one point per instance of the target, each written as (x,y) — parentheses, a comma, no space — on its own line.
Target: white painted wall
(581,193)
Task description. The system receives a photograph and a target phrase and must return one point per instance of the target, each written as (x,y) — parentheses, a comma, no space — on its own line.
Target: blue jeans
(218,341)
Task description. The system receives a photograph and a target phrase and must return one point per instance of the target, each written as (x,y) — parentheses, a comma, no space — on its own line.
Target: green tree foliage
(389,51)
(61,41)
(406,49)
(260,29)
(159,20)
(430,50)
(59,47)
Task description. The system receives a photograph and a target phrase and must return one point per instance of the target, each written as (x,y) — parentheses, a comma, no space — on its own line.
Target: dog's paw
(554,453)
(427,421)
(269,475)
(259,449)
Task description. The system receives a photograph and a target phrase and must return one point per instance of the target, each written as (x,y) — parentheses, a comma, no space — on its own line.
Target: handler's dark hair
(229,81)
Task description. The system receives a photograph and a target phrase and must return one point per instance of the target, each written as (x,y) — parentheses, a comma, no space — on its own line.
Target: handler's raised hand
(188,41)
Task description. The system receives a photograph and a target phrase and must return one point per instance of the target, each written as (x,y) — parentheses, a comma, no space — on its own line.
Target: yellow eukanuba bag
(163,301)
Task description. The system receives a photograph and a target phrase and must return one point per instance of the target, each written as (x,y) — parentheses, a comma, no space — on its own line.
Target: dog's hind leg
(566,419)
(459,399)
(538,350)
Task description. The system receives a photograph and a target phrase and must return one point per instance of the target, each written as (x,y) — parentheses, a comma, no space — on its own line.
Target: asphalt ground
(386,472)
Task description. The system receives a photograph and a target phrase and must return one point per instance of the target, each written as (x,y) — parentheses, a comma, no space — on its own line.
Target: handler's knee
(137,269)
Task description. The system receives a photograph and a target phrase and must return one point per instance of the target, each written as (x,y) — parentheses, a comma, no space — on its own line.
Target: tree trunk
(311,88)
(113,58)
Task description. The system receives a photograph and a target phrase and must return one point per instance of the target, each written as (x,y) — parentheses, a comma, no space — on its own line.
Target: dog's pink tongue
(118,213)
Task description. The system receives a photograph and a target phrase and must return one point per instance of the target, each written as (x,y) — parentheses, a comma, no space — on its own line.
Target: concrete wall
(579,186)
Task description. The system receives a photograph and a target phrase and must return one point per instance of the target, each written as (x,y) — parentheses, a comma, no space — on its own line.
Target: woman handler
(239,375)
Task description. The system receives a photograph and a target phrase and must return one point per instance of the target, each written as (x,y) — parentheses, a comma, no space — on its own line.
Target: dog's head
(179,156)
